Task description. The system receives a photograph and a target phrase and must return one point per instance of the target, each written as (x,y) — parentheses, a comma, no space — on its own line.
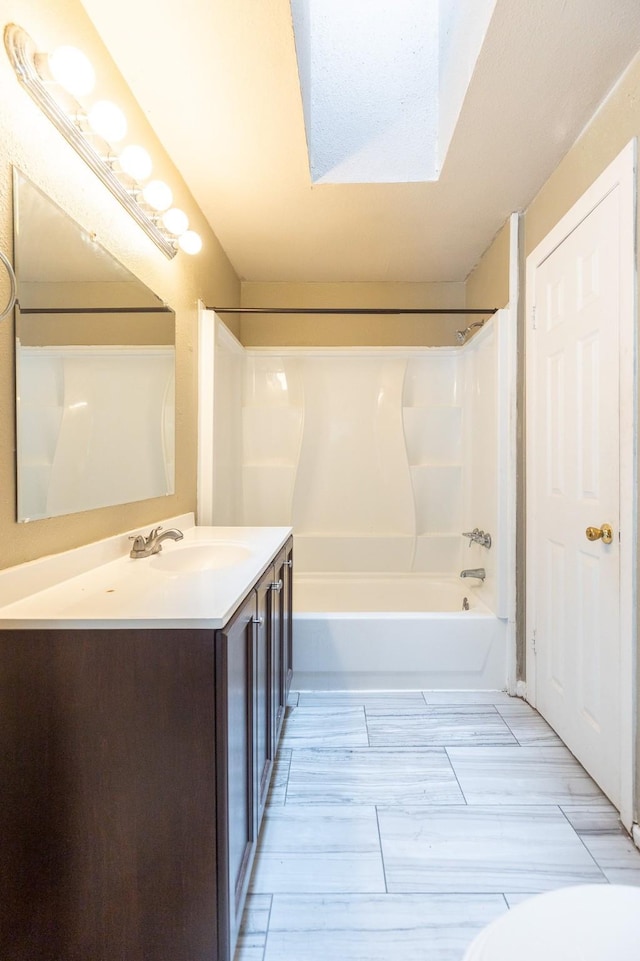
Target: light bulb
(136,162)
(176,221)
(157,195)
(72,70)
(190,242)
(108,121)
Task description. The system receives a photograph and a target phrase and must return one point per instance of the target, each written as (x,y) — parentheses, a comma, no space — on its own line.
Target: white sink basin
(200,557)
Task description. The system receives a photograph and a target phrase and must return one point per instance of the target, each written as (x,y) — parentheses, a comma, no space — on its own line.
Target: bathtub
(394,632)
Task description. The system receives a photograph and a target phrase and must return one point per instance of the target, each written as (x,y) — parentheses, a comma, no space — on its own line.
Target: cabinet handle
(277,585)
(289,563)
(258,620)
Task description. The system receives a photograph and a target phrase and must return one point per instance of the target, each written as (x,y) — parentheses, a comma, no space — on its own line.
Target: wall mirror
(95,370)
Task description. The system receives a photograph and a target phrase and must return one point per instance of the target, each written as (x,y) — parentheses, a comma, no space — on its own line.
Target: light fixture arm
(23,56)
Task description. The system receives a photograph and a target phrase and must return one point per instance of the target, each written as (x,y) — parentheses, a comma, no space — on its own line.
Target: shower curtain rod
(95,310)
(354,310)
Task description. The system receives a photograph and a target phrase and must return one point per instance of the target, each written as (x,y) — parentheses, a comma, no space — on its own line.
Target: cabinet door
(277,678)
(281,619)
(264,658)
(287,618)
(235,769)
(108,796)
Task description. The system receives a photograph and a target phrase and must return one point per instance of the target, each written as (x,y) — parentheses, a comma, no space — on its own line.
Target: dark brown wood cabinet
(282,630)
(134,768)
(265,745)
(236,663)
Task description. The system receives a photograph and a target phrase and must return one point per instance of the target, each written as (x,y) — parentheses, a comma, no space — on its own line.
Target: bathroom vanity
(140,711)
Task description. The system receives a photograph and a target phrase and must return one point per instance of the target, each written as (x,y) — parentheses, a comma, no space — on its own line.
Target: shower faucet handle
(472,535)
(478,537)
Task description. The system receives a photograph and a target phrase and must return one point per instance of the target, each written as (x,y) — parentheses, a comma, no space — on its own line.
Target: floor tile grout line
(266,933)
(286,789)
(384,867)
(389,748)
(366,724)
(455,774)
(417,892)
(620,830)
(579,836)
(513,734)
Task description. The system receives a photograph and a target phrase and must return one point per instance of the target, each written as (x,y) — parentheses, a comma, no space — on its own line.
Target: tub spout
(478,572)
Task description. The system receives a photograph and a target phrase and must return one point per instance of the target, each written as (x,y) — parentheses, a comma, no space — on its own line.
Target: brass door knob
(595,533)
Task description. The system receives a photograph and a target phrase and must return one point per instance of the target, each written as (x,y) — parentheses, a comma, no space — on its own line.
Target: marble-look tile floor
(398,825)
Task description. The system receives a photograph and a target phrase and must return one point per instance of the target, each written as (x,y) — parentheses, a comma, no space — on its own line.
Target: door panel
(555,609)
(576,485)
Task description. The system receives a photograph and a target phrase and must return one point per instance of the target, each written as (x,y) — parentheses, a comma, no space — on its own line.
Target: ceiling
(218,80)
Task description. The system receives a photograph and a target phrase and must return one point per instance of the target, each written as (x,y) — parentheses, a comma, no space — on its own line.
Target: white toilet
(593,922)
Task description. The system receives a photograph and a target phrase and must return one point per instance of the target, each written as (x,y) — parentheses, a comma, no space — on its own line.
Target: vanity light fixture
(108,121)
(136,162)
(55,82)
(157,195)
(175,221)
(190,242)
(72,70)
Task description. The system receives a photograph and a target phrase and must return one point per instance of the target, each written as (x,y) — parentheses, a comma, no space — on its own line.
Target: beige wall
(342,330)
(58,330)
(615,124)
(488,283)
(28,140)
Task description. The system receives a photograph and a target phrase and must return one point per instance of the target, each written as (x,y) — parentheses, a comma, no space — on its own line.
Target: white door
(574,483)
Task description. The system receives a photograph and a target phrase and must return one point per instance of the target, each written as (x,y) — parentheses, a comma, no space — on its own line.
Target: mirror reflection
(95,370)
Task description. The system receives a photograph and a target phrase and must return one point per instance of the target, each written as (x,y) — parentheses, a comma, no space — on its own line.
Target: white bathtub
(394,632)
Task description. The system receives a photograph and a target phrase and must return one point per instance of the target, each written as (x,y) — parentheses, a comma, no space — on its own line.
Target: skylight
(381,89)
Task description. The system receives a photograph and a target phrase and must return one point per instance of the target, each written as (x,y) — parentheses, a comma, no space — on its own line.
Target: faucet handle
(478,536)
(139,546)
(154,532)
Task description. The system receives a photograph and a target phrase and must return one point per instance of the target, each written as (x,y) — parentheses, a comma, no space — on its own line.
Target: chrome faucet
(478,572)
(478,536)
(146,546)
(461,335)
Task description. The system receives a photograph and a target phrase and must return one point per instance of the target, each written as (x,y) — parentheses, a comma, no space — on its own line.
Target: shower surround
(378,458)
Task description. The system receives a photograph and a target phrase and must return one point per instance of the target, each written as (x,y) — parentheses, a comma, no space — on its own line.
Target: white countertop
(142,593)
